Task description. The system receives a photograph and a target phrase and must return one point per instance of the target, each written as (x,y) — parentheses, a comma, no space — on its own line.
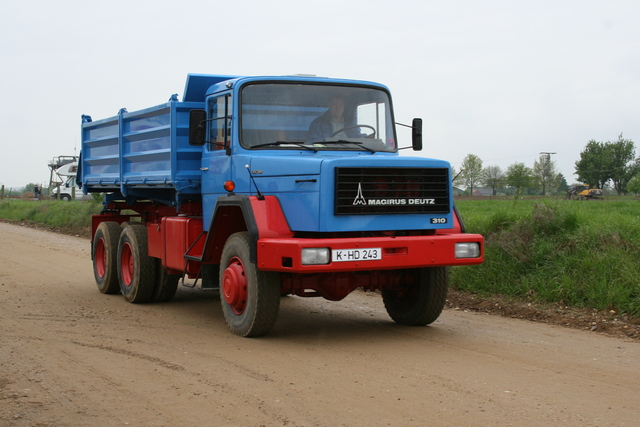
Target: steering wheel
(353,127)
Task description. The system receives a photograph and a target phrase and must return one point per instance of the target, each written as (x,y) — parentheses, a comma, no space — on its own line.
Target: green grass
(69,217)
(579,253)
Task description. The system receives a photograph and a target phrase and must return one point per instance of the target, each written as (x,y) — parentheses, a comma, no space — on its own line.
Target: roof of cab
(199,86)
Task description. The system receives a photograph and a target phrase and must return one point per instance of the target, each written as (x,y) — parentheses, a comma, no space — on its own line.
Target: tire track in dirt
(154,360)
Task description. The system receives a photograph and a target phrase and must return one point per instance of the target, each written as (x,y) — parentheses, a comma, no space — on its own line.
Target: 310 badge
(438,220)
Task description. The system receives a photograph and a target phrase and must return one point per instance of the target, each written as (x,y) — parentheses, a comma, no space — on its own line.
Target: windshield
(316,117)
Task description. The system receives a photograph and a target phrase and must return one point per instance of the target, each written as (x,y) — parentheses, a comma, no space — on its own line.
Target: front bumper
(284,254)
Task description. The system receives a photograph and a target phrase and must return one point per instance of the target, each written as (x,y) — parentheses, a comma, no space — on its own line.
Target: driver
(333,120)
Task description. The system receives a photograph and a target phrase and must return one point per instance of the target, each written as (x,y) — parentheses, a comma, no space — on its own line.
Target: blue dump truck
(272,186)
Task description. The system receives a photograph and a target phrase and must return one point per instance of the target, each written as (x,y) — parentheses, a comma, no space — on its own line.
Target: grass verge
(66,217)
(576,254)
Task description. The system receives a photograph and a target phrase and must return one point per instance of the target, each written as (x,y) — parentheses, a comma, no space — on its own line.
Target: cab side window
(220,110)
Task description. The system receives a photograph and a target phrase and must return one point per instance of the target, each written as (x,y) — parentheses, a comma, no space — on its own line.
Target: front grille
(367,191)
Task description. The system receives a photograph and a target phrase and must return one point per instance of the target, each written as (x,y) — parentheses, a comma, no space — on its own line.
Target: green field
(584,254)
(579,253)
(66,217)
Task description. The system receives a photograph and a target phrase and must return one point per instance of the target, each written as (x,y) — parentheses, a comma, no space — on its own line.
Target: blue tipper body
(143,149)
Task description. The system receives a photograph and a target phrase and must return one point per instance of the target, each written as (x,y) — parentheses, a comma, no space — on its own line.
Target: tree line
(601,164)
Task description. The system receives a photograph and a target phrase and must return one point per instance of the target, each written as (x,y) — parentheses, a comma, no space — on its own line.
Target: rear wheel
(250,298)
(421,300)
(105,257)
(166,284)
(136,269)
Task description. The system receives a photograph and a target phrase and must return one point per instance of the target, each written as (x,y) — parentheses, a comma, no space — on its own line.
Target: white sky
(504,80)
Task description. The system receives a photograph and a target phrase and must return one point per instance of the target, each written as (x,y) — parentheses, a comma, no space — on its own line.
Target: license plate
(365,254)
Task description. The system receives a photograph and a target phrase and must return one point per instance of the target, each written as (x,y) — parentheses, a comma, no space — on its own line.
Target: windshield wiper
(296,143)
(342,141)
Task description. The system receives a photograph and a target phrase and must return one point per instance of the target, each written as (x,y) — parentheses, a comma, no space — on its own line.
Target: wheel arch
(231,214)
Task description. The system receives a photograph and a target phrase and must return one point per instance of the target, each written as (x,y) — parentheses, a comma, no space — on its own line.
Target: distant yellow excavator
(584,192)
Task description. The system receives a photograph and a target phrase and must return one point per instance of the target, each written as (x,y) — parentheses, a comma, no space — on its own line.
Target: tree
(624,165)
(594,166)
(518,176)
(634,185)
(562,184)
(471,173)
(492,177)
(545,173)
(604,161)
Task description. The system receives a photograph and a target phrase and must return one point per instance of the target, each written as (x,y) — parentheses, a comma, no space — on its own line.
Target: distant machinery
(54,165)
(584,192)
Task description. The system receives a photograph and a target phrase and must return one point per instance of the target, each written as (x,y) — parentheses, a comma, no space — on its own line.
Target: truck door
(216,163)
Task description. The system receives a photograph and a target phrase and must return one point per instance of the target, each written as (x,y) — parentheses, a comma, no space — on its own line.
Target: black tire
(166,284)
(105,257)
(136,269)
(65,198)
(250,298)
(210,276)
(421,301)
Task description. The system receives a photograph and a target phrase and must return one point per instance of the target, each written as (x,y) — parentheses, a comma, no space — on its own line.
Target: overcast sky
(504,80)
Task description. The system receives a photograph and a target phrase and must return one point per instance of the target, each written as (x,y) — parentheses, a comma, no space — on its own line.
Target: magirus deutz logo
(361,200)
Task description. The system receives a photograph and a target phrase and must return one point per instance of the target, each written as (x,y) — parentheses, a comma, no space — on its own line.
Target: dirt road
(70,356)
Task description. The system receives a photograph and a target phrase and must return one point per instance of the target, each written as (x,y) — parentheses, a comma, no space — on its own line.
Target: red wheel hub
(234,285)
(101,258)
(126,264)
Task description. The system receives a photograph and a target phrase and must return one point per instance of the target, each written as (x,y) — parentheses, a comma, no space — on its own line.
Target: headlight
(315,256)
(467,250)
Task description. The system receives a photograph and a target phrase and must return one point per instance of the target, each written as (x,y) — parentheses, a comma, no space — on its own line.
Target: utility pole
(546,170)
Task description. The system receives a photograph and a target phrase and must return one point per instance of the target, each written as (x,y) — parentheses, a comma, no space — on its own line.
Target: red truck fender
(260,218)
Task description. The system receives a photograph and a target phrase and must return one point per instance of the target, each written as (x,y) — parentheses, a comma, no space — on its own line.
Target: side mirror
(197,131)
(416,134)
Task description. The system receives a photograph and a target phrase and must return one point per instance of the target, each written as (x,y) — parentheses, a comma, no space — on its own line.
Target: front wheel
(250,298)
(421,299)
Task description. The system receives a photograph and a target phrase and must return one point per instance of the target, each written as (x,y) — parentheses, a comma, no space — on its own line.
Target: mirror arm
(416,134)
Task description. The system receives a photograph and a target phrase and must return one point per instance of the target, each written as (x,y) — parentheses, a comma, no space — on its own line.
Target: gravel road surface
(70,356)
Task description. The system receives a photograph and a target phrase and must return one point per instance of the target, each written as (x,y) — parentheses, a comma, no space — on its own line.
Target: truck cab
(284,141)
